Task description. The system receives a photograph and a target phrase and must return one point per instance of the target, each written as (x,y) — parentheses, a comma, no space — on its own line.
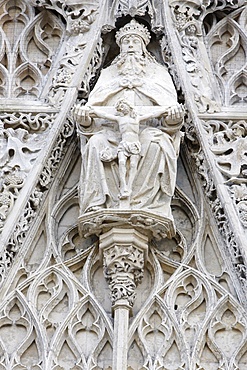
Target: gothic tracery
(66,283)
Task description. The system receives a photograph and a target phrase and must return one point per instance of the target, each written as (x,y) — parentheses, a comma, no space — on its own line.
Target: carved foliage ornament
(19,233)
(123,268)
(215,203)
(132,7)
(153,8)
(123,252)
(190,36)
(228,141)
(78,14)
(199,8)
(185,318)
(31,122)
(239,193)
(226,47)
(22,135)
(68,65)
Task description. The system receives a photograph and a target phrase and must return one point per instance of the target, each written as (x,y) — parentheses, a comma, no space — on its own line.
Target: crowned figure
(146,87)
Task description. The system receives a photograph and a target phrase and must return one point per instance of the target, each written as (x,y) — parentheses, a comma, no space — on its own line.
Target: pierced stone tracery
(55,310)
(28,44)
(227,47)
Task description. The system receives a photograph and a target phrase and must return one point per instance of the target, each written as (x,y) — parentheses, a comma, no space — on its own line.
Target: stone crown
(133,28)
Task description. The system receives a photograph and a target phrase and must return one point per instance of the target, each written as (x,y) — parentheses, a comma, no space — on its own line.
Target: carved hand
(175,113)
(81,115)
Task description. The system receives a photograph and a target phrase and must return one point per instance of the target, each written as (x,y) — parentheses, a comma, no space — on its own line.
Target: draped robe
(155,178)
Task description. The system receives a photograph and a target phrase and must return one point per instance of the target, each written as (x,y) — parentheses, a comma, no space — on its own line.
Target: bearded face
(133,57)
(131,64)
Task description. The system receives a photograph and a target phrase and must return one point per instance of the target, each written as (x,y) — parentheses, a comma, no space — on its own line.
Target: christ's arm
(160,111)
(98,113)
(173,113)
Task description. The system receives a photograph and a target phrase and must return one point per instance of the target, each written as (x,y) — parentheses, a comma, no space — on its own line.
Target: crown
(133,28)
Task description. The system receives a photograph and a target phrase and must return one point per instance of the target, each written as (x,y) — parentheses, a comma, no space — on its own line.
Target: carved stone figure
(129,146)
(111,170)
(62,276)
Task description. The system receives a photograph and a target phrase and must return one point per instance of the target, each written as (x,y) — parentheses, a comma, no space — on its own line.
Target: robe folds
(155,178)
(154,182)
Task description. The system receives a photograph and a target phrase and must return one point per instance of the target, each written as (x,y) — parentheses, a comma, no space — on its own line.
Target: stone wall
(122,287)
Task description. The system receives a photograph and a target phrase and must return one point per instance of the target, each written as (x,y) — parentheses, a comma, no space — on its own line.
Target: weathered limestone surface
(123,196)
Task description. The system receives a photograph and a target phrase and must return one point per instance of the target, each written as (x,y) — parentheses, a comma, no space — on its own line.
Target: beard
(131,64)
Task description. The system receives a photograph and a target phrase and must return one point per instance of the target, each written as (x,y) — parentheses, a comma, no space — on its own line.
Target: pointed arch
(28,45)
(20,334)
(227,46)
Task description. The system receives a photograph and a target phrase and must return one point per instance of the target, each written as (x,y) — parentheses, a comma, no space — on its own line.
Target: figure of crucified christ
(129,147)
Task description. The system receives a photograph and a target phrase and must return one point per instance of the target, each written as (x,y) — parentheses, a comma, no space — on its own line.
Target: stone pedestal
(124,236)
(154,225)
(124,252)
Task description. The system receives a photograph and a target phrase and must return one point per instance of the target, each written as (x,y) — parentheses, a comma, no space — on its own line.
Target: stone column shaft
(120,342)
(123,252)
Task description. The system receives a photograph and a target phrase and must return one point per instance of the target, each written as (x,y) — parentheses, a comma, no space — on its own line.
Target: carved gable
(123,196)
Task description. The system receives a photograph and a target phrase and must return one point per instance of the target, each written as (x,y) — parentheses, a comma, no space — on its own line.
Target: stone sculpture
(187,295)
(132,92)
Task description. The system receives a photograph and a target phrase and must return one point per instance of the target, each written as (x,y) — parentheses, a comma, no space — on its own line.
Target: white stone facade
(153,279)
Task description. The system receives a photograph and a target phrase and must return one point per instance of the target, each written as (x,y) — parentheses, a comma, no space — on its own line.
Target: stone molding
(147,222)
(184,286)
